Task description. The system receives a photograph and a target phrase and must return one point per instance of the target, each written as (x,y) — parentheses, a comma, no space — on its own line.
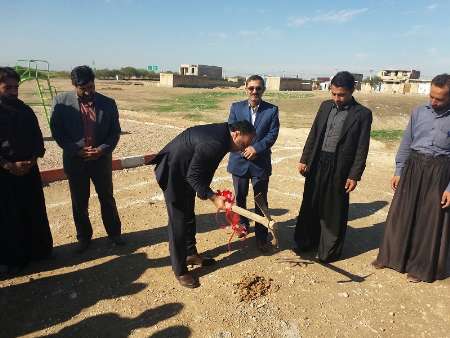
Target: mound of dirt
(252,287)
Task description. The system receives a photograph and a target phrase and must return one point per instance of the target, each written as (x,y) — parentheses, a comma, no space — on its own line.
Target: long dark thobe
(323,215)
(416,238)
(24,227)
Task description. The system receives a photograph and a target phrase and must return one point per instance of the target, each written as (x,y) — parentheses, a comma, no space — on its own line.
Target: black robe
(416,236)
(24,227)
(323,215)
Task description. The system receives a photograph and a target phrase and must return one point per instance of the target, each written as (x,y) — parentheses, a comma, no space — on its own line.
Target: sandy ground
(131,291)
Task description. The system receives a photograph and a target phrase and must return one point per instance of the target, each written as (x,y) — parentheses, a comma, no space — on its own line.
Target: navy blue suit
(258,170)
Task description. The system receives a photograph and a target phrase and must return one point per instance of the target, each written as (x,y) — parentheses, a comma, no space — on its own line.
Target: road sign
(153,68)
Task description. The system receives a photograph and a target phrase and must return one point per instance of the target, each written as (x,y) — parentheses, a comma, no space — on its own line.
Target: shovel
(265,220)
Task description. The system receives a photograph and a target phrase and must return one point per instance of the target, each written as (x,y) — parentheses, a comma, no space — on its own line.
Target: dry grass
(297,109)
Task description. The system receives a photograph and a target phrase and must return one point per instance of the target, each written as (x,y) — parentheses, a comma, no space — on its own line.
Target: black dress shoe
(82,246)
(199,260)
(188,281)
(117,240)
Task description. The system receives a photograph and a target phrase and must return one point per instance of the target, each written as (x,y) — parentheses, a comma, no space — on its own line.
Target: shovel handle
(270,224)
(251,215)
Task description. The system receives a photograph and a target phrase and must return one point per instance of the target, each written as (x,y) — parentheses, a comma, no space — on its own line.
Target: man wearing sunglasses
(254,162)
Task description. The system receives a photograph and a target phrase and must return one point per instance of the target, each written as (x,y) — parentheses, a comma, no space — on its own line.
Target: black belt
(429,157)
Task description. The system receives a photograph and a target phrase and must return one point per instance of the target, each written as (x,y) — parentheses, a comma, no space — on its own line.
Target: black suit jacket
(353,144)
(67,128)
(192,157)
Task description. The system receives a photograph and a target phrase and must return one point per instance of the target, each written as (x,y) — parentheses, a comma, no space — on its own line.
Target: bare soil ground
(131,291)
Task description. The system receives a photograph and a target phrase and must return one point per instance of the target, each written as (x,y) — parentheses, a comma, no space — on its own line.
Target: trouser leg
(189,221)
(178,231)
(241,191)
(260,186)
(79,185)
(102,179)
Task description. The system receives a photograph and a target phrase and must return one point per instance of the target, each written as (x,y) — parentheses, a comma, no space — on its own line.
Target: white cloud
(218,35)
(408,12)
(246,33)
(432,7)
(361,55)
(433,51)
(299,21)
(265,33)
(412,31)
(340,16)
(254,35)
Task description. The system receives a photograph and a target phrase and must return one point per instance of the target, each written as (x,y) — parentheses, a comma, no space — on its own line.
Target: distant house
(393,87)
(398,80)
(196,76)
(277,83)
(211,72)
(398,76)
(237,79)
(358,80)
(323,83)
(420,86)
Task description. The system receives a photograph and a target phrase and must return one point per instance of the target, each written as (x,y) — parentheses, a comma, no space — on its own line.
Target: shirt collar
(445,113)
(88,103)
(255,108)
(84,103)
(346,107)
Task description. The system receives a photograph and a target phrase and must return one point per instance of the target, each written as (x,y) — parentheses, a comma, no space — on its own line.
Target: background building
(397,75)
(277,83)
(212,72)
(358,80)
(399,81)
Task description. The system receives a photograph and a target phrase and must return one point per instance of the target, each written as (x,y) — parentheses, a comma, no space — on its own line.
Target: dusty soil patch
(252,287)
(131,291)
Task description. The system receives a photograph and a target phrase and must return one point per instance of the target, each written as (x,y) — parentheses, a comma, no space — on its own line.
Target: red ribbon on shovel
(231,217)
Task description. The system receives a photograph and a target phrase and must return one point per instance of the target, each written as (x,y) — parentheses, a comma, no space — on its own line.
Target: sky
(282,37)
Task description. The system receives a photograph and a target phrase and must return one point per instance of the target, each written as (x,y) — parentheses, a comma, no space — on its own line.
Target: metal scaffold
(39,72)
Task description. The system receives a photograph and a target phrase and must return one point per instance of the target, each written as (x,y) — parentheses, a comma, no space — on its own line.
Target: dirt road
(131,291)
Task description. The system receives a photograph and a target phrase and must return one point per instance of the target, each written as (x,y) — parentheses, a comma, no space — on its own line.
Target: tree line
(124,73)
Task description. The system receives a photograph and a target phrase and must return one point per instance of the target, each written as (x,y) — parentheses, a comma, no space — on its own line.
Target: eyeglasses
(258,89)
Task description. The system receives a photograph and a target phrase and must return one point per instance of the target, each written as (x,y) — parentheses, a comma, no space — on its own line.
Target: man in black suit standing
(185,167)
(85,124)
(333,161)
